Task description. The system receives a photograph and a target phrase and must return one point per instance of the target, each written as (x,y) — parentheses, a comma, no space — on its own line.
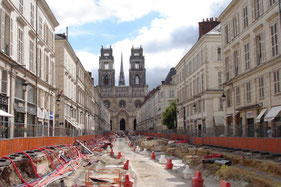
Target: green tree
(170,116)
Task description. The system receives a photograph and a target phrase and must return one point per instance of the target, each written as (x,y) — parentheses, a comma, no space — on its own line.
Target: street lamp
(24,85)
(223,97)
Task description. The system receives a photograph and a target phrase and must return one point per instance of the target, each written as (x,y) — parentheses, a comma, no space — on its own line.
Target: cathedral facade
(123,101)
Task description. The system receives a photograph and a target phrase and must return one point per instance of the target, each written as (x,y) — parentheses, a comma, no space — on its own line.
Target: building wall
(19,47)
(198,89)
(243,107)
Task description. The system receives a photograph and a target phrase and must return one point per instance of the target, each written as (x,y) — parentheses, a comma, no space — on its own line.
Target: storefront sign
(19,106)
(51,115)
(250,114)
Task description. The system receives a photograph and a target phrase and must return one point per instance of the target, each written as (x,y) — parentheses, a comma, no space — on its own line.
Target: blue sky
(166,29)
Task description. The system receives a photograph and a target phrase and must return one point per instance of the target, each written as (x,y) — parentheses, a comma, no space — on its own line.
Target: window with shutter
(11,37)
(31,55)
(2,29)
(21,6)
(4,82)
(274,40)
(32,14)
(247,56)
(20,45)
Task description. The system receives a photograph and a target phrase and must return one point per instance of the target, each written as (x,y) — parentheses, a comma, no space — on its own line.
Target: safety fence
(272,145)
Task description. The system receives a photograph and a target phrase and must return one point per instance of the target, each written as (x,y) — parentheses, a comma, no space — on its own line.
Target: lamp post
(223,97)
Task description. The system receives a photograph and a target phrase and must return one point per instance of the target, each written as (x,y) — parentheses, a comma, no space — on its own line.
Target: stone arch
(135,124)
(122,125)
(137,80)
(105,80)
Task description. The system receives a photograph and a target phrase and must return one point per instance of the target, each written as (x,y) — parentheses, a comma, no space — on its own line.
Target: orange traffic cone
(169,164)
(111,152)
(152,155)
(128,181)
(119,155)
(197,180)
(135,148)
(126,165)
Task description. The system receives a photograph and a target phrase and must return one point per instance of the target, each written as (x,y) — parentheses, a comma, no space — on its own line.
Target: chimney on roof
(207,26)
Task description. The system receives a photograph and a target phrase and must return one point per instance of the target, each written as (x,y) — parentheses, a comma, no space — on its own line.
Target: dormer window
(106,54)
(136,54)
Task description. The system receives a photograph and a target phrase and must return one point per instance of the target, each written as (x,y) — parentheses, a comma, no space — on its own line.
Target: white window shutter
(255,50)
(253,10)
(4,81)
(263,46)
(11,37)
(2,44)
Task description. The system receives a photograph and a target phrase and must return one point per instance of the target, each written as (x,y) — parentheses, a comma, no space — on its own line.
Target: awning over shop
(5,114)
(258,119)
(74,125)
(219,120)
(272,113)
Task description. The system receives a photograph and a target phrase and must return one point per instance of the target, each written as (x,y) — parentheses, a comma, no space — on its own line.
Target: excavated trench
(41,163)
(246,169)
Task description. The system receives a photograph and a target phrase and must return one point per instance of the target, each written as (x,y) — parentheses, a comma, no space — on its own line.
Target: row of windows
(232,29)
(258,46)
(196,62)
(249,88)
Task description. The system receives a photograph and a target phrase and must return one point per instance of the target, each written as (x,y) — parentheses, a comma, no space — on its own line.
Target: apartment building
(199,83)
(252,65)
(149,116)
(27,82)
(66,71)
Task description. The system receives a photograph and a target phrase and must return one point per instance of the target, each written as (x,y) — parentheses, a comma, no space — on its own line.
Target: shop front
(19,114)
(273,119)
(4,121)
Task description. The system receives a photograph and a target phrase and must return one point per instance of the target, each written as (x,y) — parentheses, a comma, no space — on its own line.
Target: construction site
(118,159)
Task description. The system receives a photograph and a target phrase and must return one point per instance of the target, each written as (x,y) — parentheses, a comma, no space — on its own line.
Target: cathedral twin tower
(122,101)
(136,72)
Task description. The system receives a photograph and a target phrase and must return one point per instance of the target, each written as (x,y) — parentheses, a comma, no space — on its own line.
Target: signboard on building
(250,114)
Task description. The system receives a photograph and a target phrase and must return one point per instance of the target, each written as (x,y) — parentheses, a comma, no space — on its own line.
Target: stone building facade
(27,67)
(149,116)
(252,63)
(122,101)
(199,83)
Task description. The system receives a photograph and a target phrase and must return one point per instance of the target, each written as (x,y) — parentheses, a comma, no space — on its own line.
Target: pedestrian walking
(269,132)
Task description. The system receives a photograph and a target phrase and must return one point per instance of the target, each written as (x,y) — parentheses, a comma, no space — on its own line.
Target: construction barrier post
(197,180)
(128,181)
(225,183)
(169,164)
(126,165)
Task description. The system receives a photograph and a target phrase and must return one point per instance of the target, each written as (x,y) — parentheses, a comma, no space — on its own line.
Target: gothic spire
(121,76)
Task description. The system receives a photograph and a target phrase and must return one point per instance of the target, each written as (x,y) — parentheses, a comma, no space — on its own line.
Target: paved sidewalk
(149,173)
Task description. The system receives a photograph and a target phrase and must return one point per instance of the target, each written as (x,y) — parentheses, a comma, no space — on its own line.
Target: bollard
(187,173)
(128,181)
(152,155)
(197,180)
(162,159)
(169,164)
(225,183)
(126,165)
(119,155)
(111,152)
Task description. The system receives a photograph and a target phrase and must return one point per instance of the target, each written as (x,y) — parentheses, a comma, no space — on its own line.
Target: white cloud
(164,40)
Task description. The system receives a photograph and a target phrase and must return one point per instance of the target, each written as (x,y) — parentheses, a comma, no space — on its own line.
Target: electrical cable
(53,153)
(48,158)
(17,170)
(31,161)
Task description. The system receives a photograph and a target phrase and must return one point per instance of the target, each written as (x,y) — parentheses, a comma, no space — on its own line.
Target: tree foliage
(170,116)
